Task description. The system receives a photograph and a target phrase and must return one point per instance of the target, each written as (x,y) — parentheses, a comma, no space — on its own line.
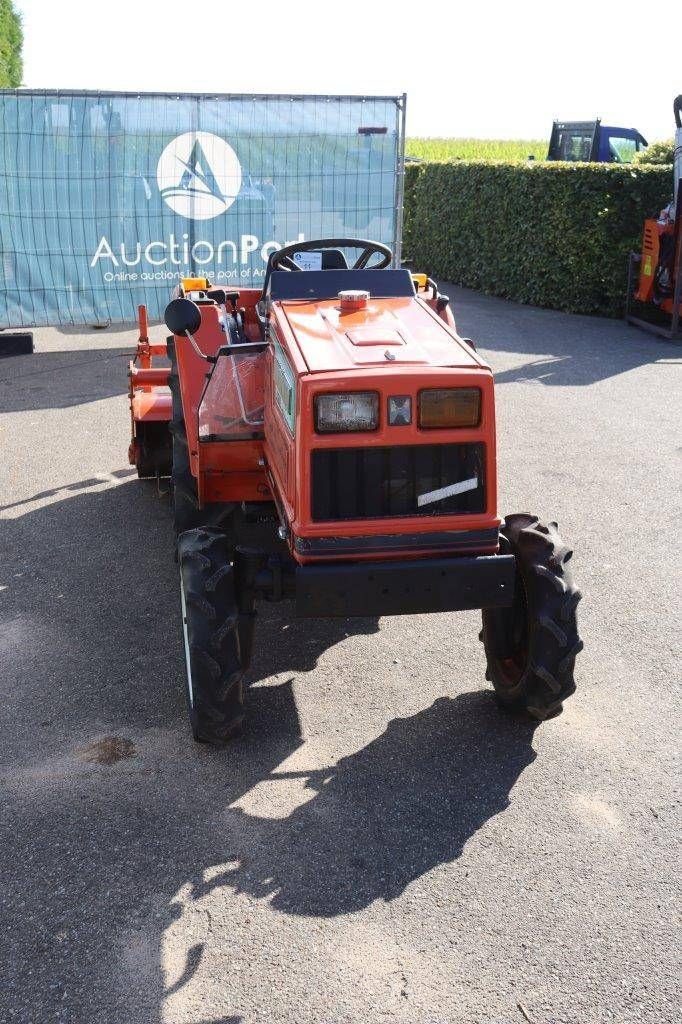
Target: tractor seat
(333,259)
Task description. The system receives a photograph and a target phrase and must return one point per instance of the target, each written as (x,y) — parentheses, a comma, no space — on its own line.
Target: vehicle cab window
(621,150)
(575,145)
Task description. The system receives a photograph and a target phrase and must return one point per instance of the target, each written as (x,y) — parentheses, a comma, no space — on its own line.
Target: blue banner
(107,199)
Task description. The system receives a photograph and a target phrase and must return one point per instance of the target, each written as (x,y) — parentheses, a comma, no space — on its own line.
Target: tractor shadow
(108,805)
(59,380)
(92,569)
(100,844)
(563,349)
(385,815)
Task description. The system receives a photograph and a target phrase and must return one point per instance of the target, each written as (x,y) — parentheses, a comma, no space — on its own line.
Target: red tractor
(333,441)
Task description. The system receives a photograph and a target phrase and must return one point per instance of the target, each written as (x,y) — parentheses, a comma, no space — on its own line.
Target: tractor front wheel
(531,646)
(210,626)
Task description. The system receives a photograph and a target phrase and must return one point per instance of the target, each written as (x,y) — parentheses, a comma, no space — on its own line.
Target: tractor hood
(388,332)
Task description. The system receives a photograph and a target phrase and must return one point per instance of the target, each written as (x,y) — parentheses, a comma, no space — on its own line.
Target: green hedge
(11,39)
(549,234)
(661,152)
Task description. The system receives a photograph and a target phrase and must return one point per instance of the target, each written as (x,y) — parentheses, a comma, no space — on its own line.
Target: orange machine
(655,279)
(655,303)
(333,441)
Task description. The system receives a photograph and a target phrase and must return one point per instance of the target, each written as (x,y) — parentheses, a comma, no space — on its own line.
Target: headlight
(440,408)
(350,411)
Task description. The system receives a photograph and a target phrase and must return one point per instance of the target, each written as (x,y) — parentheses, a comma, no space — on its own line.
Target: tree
(11,39)
(657,153)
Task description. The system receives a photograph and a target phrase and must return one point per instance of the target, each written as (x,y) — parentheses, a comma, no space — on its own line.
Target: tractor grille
(375,483)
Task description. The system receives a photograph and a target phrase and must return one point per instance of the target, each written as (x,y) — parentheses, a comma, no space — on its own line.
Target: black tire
(531,647)
(186,512)
(214,673)
(153,447)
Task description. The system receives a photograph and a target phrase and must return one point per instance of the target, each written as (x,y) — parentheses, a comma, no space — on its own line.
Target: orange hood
(389,332)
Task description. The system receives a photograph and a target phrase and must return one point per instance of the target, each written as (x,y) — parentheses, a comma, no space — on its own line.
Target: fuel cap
(353,299)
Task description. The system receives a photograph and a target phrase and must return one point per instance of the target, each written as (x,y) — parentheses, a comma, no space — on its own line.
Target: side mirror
(182,316)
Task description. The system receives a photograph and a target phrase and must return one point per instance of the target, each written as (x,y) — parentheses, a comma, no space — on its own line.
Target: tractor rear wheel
(210,622)
(153,450)
(531,647)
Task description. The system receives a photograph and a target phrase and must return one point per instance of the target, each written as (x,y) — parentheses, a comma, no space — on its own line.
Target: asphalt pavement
(383,844)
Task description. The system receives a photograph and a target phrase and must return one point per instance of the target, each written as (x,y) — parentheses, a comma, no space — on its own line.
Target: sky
(483,68)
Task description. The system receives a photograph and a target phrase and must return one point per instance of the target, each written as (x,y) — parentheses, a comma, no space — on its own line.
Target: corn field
(476,149)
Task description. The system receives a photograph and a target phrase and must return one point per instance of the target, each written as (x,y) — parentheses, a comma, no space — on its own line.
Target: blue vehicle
(594,142)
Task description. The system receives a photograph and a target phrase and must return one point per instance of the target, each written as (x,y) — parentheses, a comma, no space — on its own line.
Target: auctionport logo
(199,175)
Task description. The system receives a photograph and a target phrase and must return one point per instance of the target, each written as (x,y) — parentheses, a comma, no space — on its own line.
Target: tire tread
(551,603)
(217,711)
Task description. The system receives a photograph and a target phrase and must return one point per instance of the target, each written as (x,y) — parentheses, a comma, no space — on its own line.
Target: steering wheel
(282,260)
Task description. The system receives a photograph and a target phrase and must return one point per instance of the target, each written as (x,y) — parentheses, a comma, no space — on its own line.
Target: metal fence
(107,199)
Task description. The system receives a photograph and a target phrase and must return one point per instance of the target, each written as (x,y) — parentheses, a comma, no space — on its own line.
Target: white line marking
(447,492)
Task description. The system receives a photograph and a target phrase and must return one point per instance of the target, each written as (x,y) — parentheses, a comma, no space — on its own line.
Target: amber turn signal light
(442,408)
